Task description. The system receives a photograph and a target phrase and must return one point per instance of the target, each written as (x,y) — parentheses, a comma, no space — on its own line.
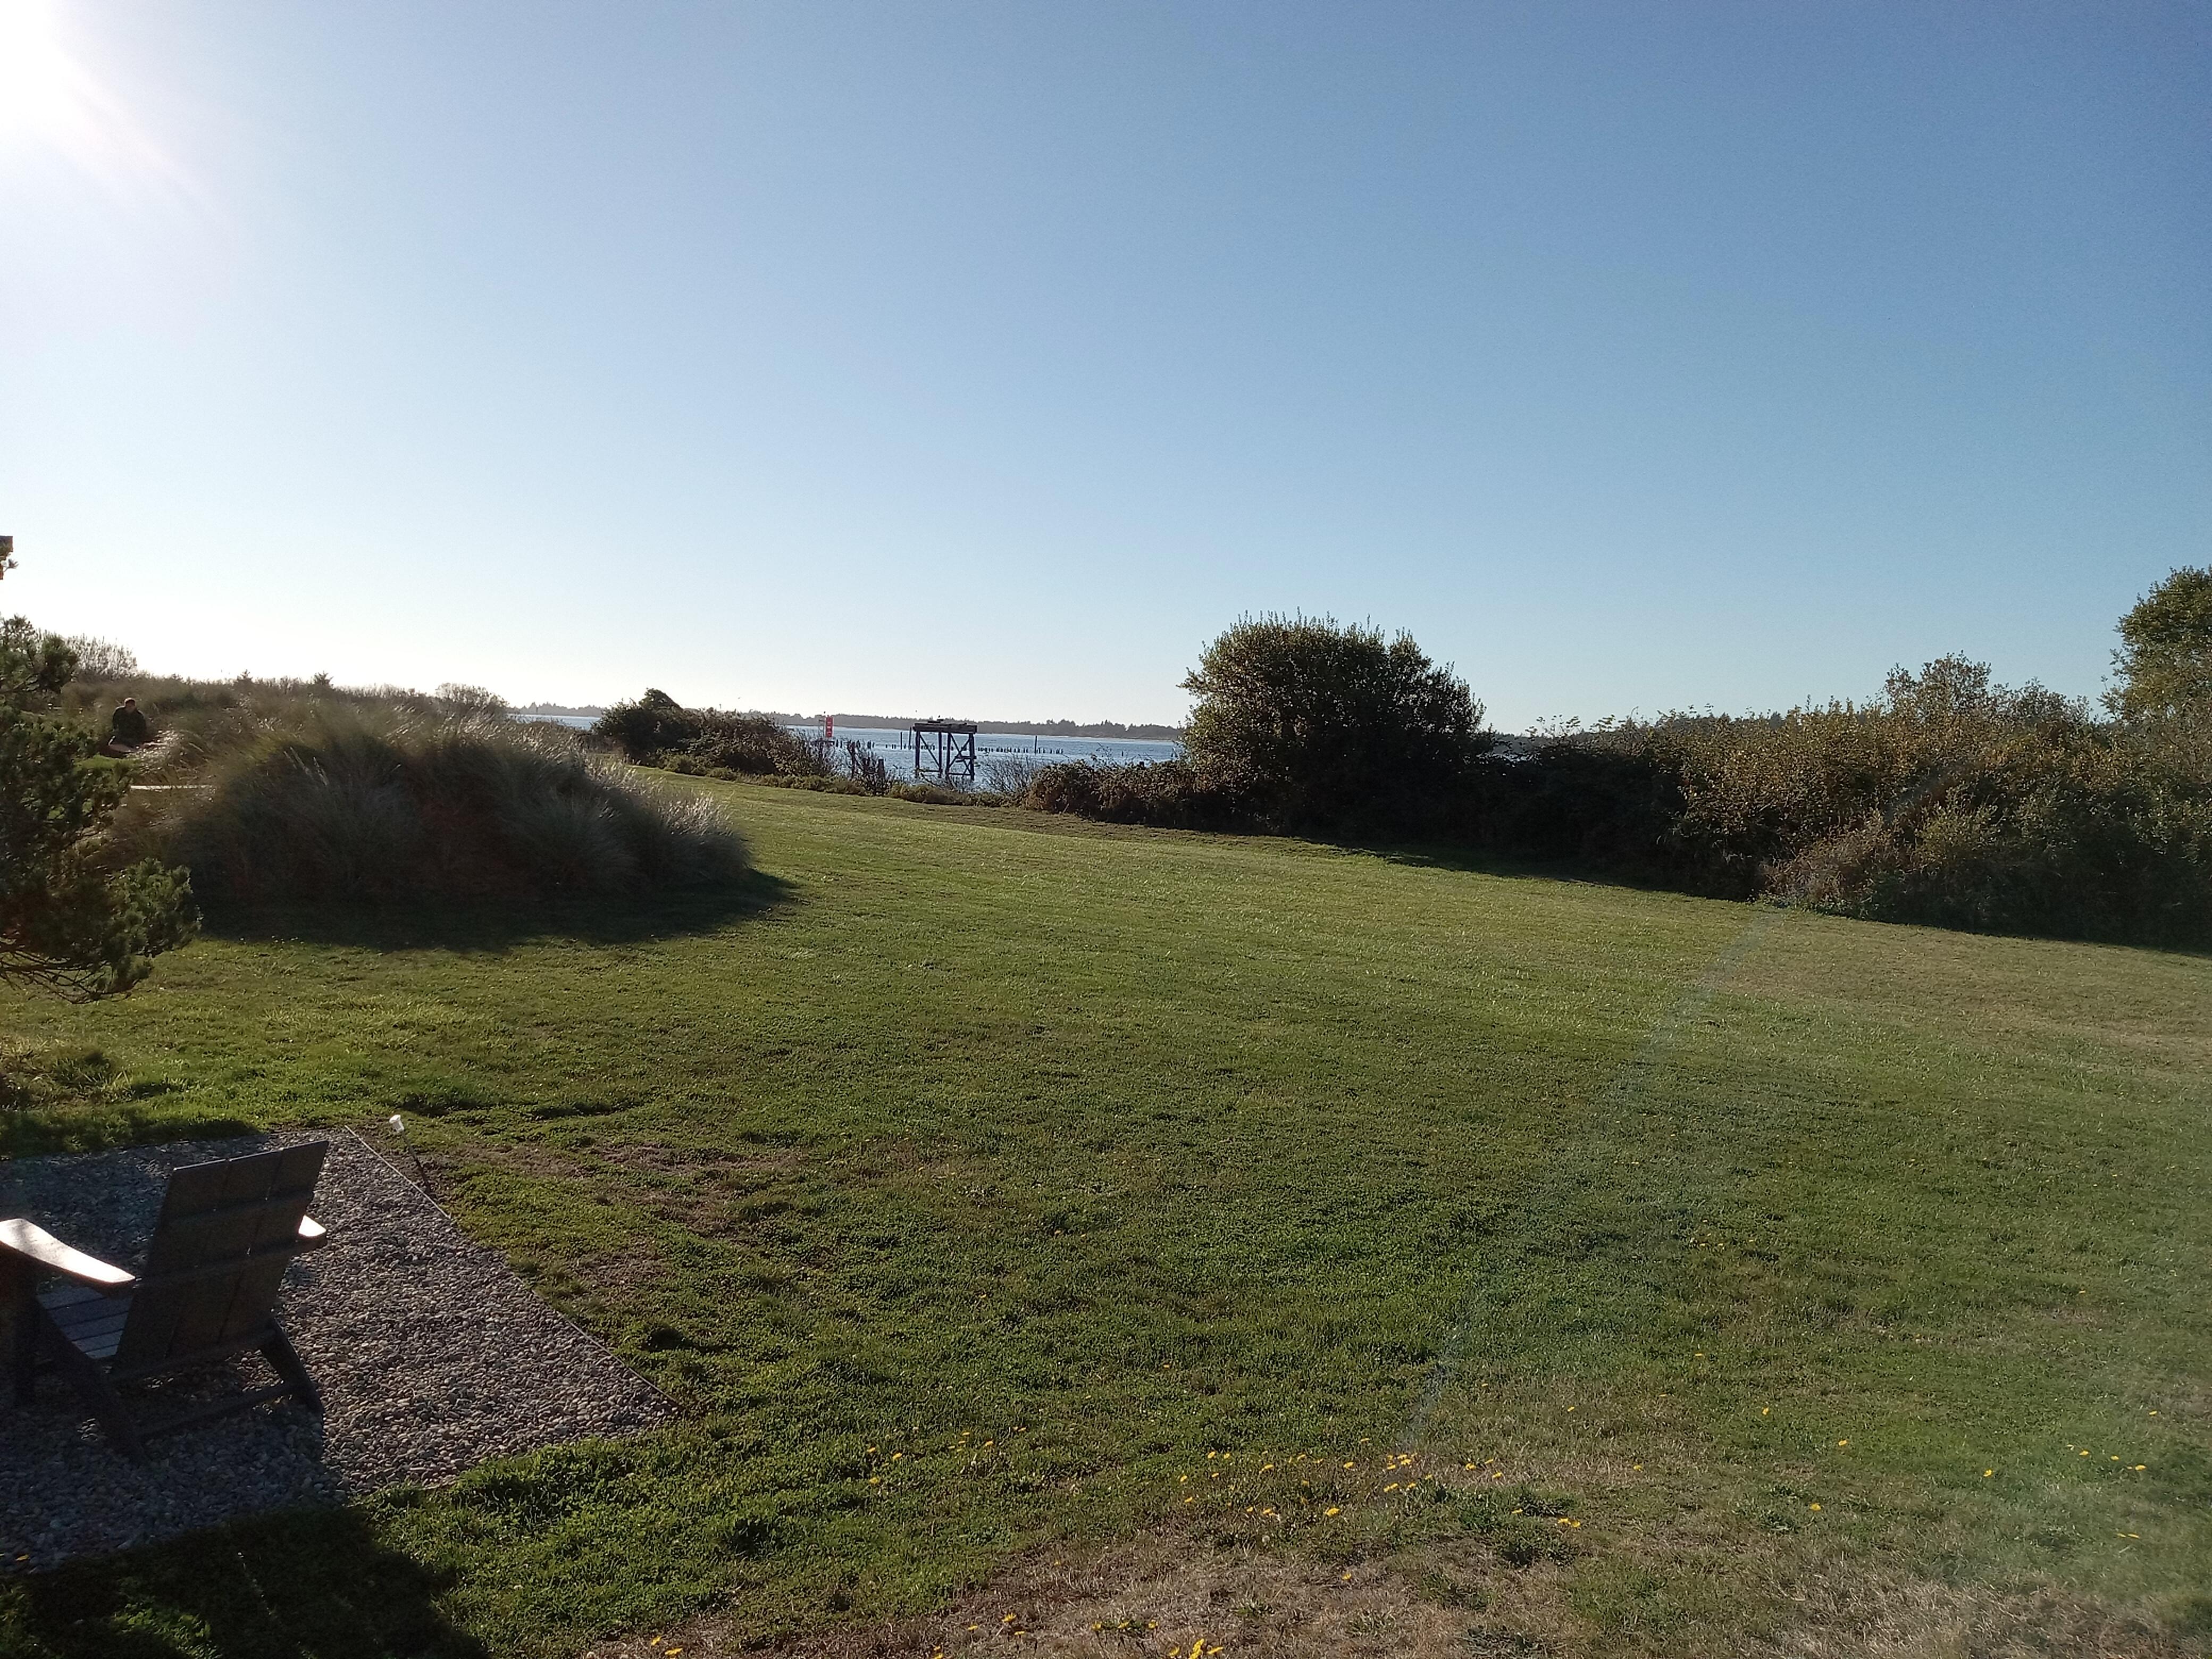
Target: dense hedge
(1948,800)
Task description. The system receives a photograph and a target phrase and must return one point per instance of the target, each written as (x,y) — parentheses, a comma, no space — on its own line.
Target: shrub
(358,807)
(1609,798)
(1008,773)
(657,731)
(1950,801)
(1168,795)
(2077,832)
(74,920)
(1306,724)
(101,661)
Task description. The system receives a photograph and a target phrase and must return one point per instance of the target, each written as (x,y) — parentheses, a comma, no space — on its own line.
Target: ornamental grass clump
(401,806)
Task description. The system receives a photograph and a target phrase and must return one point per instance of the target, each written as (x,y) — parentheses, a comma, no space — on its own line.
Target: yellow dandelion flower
(1986,1473)
(1814,1506)
(1334,1509)
(2140,1468)
(1842,1443)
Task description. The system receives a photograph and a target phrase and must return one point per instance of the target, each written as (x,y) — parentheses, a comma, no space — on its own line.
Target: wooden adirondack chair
(227,1233)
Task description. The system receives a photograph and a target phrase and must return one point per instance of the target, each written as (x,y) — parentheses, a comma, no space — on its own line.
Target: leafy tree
(67,922)
(1309,723)
(2165,658)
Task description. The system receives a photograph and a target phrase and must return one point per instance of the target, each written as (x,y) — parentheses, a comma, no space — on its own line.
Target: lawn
(1628,1273)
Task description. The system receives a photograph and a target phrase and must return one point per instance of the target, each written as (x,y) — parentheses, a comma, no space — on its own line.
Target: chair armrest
(313,1234)
(35,1244)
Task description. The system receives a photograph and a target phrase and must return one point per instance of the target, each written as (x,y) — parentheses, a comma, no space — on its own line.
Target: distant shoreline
(1022,728)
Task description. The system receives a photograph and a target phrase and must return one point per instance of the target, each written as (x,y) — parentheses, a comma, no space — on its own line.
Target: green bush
(1168,795)
(361,807)
(1950,801)
(74,919)
(1308,724)
(657,731)
(2077,832)
(1609,799)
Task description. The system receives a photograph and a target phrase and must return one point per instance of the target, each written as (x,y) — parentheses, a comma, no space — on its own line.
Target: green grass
(1112,1149)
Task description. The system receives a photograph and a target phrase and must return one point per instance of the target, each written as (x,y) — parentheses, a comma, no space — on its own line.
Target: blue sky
(989,359)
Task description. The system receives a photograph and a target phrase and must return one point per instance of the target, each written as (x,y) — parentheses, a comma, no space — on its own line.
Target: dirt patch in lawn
(1177,1596)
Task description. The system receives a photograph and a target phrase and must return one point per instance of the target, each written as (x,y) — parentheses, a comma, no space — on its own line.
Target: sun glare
(40,88)
(50,103)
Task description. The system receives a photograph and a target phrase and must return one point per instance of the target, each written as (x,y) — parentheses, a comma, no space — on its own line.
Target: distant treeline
(1023,728)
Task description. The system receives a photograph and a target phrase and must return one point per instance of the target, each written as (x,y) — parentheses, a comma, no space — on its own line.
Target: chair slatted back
(227,1233)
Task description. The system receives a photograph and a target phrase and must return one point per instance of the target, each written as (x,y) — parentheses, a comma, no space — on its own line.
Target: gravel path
(431,1355)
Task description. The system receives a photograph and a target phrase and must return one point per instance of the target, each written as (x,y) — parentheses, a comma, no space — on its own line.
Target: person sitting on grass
(128,730)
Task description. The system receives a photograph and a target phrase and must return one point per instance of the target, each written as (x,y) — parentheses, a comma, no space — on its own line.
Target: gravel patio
(431,1354)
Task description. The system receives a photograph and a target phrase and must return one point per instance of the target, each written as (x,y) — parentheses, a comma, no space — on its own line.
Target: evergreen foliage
(70,922)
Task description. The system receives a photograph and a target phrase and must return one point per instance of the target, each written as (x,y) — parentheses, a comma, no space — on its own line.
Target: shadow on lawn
(311,1581)
(1442,855)
(497,927)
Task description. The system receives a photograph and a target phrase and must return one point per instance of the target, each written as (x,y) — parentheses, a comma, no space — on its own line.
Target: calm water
(895,746)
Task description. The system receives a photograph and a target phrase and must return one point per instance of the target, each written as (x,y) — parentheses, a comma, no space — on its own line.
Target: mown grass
(986,1175)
